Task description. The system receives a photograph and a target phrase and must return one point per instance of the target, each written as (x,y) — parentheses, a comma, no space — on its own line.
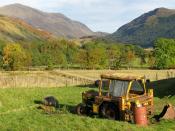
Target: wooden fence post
(77,81)
(73,80)
(168,75)
(66,82)
(171,74)
(156,77)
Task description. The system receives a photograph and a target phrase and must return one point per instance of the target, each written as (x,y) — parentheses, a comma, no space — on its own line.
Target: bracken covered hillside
(15,30)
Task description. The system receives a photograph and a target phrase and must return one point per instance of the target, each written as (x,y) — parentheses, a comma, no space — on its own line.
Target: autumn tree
(151,59)
(82,58)
(96,56)
(14,57)
(128,55)
(114,56)
(141,54)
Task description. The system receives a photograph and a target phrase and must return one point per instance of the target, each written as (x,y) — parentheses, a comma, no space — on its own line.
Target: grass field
(18,111)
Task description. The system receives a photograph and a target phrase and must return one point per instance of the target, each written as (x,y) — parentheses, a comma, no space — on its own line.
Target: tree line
(92,54)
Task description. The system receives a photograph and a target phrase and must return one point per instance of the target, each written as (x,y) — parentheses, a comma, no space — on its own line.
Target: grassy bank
(18,112)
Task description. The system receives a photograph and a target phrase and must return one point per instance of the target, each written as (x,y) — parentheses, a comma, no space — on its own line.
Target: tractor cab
(116,85)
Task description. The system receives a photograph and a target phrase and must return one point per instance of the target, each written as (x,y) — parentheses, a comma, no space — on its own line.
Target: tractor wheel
(109,111)
(81,109)
(110,114)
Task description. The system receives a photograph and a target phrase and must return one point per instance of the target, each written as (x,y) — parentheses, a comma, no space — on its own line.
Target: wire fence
(27,79)
(160,76)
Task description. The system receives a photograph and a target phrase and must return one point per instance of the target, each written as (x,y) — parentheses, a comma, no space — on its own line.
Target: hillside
(15,30)
(145,29)
(56,23)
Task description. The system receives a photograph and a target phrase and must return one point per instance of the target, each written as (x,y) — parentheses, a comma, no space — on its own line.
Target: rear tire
(81,109)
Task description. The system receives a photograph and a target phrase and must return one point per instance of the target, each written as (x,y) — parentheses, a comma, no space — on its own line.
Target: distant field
(18,112)
(151,74)
(59,78)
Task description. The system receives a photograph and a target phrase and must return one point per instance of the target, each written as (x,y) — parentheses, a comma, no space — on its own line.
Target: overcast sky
(98,15)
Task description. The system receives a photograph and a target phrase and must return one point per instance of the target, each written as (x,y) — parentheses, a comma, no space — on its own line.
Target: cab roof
(121,76)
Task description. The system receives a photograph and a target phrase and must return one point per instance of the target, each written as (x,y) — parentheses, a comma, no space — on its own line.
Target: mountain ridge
(56,23)
(145,29)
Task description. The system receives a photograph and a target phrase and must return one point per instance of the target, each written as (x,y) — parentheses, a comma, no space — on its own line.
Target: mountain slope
(56,23)
(145,29)
(15,30)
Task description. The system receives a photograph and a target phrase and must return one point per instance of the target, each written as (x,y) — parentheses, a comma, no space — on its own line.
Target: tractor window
(118,88)
(137,88)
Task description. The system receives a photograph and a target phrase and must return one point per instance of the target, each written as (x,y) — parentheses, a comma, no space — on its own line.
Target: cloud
(99,15)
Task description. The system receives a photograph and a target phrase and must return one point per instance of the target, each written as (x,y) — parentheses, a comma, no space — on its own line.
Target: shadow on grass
(163,88)
(38,102)
(69,108)
(63,107)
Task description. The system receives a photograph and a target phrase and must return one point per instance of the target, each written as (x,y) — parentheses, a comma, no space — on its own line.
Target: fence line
(29,79)
(158,76)
(40,79)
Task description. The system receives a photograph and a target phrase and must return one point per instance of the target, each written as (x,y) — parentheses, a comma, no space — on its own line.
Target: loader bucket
(168,112)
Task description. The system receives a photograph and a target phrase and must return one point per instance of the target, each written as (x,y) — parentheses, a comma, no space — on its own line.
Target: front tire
(81,109)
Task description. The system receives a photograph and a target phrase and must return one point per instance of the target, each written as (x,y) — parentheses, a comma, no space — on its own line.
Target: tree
(151,59)
(70,52)
(96,55)
(130,57)
(53,53)
(114,56)
(14,57)
(1,53)
(82,58)
(140,53)
(97,58)
(164,53)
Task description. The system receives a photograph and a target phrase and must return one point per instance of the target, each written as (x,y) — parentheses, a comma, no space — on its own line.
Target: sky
(98,15)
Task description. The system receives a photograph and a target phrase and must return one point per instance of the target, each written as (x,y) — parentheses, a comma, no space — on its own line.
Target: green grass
(30,118)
